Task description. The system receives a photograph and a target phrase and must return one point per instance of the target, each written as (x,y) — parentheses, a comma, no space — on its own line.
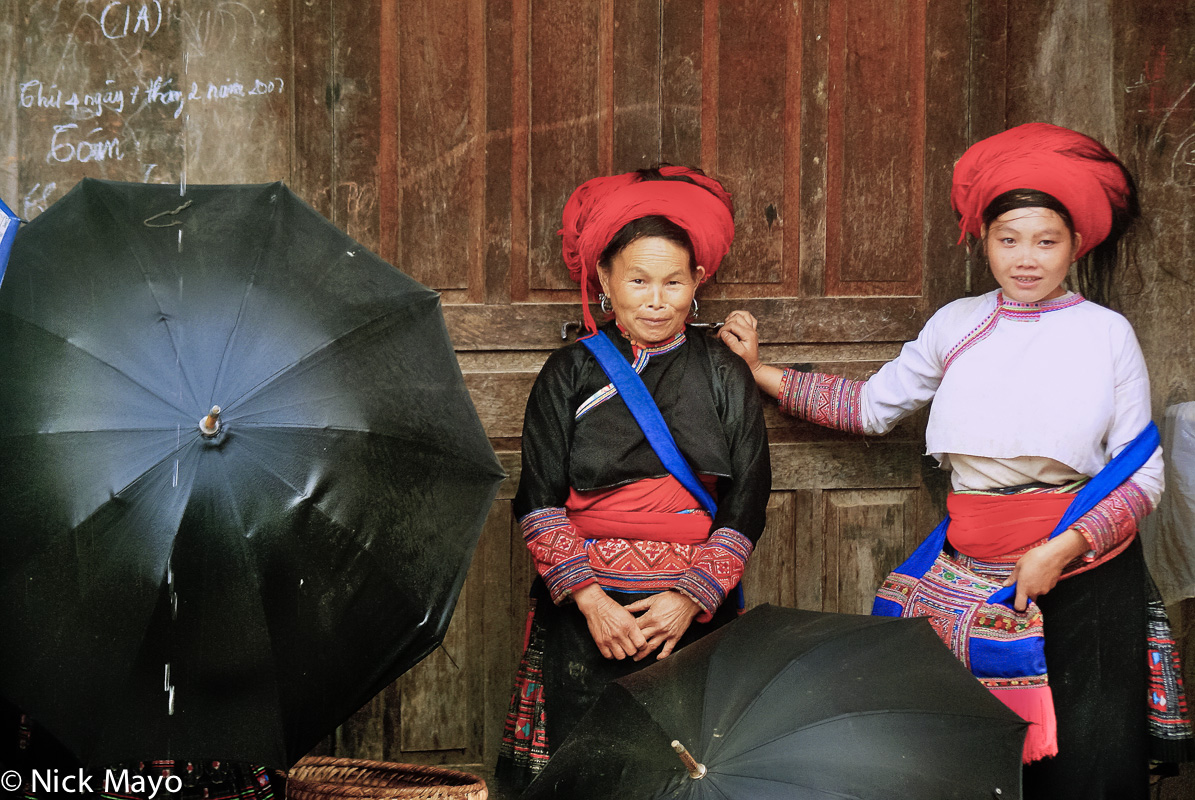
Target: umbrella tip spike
(696,771)
(209,426)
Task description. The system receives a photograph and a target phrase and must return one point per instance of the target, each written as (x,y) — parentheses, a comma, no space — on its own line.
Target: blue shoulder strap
(1114,473)
(647,414)
(8,232)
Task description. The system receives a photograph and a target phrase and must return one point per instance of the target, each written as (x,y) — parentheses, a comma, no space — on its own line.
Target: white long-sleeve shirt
(1021,392)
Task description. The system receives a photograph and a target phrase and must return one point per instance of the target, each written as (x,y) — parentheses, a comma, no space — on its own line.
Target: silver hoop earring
(693,310)
(604,303)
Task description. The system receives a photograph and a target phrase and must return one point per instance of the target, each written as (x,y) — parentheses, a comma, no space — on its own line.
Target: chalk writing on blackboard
(73,142)
(149,90)
(119,19)
(87,104)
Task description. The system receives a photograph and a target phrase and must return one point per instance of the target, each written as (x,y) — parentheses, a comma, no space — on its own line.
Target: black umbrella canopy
(168,592)
(792,704)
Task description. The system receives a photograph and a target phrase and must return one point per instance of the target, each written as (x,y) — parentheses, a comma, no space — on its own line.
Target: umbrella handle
(696,771)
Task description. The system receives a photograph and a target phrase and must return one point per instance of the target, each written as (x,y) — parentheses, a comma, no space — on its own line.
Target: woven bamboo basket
(320,778)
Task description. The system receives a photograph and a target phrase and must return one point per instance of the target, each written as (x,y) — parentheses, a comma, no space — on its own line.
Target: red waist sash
(651,509)
(1002,527)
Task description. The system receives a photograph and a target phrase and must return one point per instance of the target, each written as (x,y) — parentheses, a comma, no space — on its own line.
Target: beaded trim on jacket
(642,356)
(1012,310)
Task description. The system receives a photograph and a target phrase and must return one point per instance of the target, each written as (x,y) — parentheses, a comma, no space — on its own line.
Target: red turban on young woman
(1074,169)
(600,207)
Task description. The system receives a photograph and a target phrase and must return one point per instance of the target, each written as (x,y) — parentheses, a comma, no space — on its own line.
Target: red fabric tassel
(1035,705)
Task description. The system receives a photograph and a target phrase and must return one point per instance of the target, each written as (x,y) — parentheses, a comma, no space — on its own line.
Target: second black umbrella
(784,703)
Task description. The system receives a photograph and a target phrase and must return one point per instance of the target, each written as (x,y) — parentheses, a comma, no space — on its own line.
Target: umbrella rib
(754,700)
(855,714)
(249,284)
(793,664)
(422,443)
(115,495)
(819,790)
(715,787)
(303,359)
(231,490)
(266,468)
(302,493)
(98,360)
(162,315)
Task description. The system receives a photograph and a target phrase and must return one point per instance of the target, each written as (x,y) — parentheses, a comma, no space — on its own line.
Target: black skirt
(572,672)
(1095,655)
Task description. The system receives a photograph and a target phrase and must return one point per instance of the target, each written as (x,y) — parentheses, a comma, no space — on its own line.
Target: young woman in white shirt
(1034,389)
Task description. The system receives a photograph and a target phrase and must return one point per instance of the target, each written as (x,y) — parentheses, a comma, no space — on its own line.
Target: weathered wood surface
(447,135)
(9,78)
(147,91)
(537,326)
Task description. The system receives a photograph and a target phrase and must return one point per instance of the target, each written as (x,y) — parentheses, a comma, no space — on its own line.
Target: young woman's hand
(741,336)
(666,617)
(614,629)
(1038,571)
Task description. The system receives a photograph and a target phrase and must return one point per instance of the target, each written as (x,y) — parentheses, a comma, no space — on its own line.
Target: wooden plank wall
(9,79)
(488,114)
(446,135)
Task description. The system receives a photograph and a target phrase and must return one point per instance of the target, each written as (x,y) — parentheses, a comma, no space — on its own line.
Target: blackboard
(159,91)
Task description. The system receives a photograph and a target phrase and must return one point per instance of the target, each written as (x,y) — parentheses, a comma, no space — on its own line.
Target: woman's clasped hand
(617,631)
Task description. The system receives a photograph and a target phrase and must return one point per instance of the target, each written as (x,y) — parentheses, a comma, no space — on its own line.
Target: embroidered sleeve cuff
(558,551)
(827,400)
(716,569)
(1113,520)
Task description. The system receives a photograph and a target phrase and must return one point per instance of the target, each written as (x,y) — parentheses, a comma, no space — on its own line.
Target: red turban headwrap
(599,208)
(1074,169)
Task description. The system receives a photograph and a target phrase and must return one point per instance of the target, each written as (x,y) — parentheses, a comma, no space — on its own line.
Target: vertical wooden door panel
(770,576)
(441,119)
(434,703)
(314,80)
(865,533)
(634,79)
(565,124)
(501,626)
(876,141)
(681,80)
(361,93)
(750,148)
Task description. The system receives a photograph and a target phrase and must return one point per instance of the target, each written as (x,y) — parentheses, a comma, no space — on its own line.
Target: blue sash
(1114,473)
(974,615)
(8,231)
(643,408)
(645,411)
